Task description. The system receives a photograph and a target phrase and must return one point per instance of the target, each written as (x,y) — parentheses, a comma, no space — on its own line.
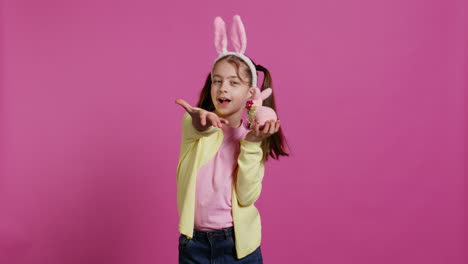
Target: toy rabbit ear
(220,36)
(266,93)
(238,36)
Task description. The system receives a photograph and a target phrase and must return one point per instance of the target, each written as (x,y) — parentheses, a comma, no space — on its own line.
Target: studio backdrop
(371,94)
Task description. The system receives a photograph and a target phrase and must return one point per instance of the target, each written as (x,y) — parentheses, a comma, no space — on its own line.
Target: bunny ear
(220,36)
(238,36)
(266,93)
(257,94)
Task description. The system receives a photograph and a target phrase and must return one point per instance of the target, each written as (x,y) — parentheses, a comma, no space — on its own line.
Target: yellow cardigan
(197,149)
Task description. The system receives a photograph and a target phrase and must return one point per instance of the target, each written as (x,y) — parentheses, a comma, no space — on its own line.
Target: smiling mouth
(224,101)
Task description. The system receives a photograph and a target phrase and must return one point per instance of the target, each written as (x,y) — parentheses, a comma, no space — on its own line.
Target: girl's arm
(251,164)
(250,172)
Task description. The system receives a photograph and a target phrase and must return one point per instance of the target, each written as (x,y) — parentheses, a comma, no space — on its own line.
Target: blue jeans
(213,247)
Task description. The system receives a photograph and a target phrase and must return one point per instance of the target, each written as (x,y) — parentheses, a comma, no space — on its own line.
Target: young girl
(221,163)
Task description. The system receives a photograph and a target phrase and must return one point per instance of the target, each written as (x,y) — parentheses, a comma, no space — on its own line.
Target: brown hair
(273,146)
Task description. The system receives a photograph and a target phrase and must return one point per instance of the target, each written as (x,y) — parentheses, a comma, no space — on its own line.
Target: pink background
(372,96)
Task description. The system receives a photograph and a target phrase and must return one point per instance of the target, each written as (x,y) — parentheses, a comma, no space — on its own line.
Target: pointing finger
(272,127)
(266,128)
(203,119)
(212,120)
(257,128)
(185,105)
(278,124)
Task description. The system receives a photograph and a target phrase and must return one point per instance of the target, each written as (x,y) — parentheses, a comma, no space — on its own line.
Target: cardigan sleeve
(250,172)
(189,132)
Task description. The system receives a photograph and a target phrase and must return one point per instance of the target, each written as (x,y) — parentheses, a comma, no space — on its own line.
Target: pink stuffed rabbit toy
(256,111)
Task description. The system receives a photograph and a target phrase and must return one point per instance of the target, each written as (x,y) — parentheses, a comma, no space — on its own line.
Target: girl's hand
(257,135)
(201,119)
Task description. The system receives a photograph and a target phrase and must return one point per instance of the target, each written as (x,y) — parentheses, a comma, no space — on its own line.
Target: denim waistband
(225,233)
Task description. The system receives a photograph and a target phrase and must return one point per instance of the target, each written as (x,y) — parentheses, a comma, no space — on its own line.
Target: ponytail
(273,146)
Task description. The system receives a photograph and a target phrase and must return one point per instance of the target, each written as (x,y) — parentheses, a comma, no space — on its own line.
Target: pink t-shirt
(214,183)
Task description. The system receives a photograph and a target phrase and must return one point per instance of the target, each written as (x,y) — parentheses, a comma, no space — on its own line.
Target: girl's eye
(235,82)
(217,81)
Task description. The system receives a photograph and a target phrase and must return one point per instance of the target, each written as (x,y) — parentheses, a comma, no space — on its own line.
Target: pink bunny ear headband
(238,40)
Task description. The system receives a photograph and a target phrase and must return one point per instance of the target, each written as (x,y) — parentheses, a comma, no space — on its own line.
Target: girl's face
(228,92)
